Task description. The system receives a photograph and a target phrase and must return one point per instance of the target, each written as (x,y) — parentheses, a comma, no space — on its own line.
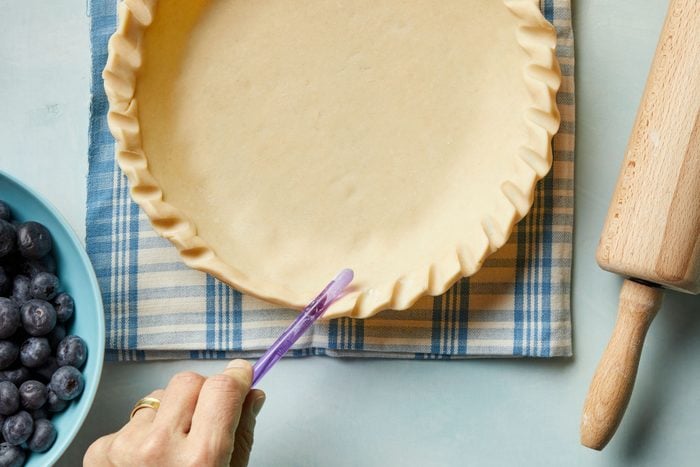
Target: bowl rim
(91,391)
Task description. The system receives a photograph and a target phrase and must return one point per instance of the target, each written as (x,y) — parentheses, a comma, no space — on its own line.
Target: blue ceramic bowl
(78,279)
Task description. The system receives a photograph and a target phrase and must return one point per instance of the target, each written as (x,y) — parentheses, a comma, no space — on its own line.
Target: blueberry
(67,382)
(39,414)
(8,238)
(15,375)
(54,404)
(34,352)
(71,351)
(5,283)
(5,212)
(64,305)
(32,267)
(33,240)
(8,353)
(45,371)
(49,263)
(9,398)
(38,317)
(18,428)
(43,437)
(33,394)
(56,336)
(44,286)
(11,456)
(21,290)
(9,317)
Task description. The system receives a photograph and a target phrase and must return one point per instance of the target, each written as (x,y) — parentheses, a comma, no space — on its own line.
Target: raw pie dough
(276,142)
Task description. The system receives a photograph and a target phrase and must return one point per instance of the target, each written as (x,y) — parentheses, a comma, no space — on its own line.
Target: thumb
(243,442)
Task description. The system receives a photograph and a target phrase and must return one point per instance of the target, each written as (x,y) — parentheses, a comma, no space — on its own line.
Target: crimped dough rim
(542,77)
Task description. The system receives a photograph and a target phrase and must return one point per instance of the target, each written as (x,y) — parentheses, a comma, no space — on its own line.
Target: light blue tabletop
(323,411)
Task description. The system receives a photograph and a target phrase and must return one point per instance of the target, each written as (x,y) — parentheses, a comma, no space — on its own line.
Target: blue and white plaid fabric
(156,308)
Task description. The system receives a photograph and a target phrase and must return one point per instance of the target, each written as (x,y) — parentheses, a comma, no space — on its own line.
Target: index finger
(218,409)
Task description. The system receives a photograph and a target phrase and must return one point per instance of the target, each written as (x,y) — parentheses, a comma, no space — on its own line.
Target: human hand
(201,422)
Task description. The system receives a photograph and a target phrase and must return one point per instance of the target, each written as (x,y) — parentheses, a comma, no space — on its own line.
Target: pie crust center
(304,137)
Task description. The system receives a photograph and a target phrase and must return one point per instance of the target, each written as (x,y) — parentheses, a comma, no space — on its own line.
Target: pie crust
(275,143)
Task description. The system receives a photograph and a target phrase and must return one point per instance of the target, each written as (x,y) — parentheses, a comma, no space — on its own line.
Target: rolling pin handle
(613,381)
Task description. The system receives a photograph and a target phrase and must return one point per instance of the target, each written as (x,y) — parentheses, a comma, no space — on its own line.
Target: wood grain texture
(652,231)
(613,381)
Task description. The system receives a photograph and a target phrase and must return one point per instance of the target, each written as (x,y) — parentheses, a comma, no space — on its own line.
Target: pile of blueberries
(39,363)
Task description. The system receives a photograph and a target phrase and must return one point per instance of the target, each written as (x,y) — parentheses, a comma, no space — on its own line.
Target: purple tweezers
(300,325)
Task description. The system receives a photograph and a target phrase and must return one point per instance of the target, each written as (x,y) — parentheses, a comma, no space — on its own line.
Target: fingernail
(238,363)
(258,405)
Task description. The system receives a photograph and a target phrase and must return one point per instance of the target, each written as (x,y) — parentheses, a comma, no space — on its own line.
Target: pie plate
(276,142)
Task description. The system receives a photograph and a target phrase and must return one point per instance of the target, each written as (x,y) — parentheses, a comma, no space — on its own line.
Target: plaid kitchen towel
(157,308)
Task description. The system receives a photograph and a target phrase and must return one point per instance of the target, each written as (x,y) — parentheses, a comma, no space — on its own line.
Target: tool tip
(341,281)
(345,276)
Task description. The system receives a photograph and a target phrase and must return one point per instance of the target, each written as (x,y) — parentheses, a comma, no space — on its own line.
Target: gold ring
(145,403)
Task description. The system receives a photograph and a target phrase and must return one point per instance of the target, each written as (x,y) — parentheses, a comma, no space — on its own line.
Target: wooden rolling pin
(652,232)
